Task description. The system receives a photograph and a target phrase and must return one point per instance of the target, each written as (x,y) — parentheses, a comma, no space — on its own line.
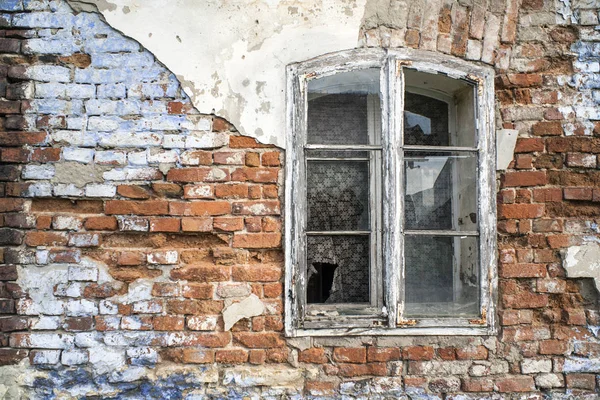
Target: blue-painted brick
(116,90)
(132,60)
(111,45)
(43,20)
(11,5)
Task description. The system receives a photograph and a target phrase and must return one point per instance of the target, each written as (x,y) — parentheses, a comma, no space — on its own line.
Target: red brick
(22,138)
(320,388)
(198,174)
(256,273)
(257,357)
(197,291)
(124,207)
(233,356)
(272,290)
(315,355)
(228,224)
(383,354)
(198,191)
(525,80)
(45,239)
(165,289)
(522,270)
(194,307)
(78,324)
(202,273)
(168,323)
(263,207)
(221,125)
(252,159)
(573,381)
(472,353)
(200,208)
(516,383)
(547,128)
(165,224)
(9,205)
(101,224)
(228,158)
(350,354)
(257,240)
(15,155)
(133,191)
(477,384)
(167,189)
(13,323)
(131,258)
(547,195)
(529,145)
(12,356)
(244,142)
(253,224)
(421,353)
(258,175)
(525,300)
(520,211)
(553,347)
(524,178)
(265,340)
(270,159)
(231,191)
(196,224)
(255,192)
(352,370)
(577,193)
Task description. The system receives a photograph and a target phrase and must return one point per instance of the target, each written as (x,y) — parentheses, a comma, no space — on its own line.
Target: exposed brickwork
(130,222)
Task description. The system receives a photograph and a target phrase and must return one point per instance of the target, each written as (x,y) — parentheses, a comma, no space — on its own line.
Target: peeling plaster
(230,57)
(506,140)
(583,262)
(251,306)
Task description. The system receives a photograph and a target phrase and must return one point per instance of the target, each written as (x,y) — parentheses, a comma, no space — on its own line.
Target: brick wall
(131,223)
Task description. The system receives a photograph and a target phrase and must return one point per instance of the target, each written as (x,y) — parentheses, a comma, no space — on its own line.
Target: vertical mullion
(376,268)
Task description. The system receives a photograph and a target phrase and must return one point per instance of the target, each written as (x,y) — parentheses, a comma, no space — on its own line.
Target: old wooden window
(390,212)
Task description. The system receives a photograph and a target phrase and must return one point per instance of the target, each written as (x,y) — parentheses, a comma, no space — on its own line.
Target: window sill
(405,331)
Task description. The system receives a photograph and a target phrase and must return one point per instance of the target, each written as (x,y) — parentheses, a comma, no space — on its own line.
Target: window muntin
(450,103)
(342,159)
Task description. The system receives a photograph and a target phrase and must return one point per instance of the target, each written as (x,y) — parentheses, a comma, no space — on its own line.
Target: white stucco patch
(583,262)
(251,306)
(230,56)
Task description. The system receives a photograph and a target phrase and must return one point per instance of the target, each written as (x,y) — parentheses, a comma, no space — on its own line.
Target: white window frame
(388,320)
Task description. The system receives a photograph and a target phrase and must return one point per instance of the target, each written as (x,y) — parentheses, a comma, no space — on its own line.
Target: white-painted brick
(44,341)
(142,356)
(132,224)
(532,366)
(75,138)
(130,139)
(137,158)
(45,323)
(41,257)
(61,189)
(206,140)
(197,123)
(202,323)
(174,142)
(45,356)
(74,357)
(39,189)
(81,308)
(162,156)
(111,157)
(103,124)
(81,273)
(73,289)
(66,222)
(108,307)
(163,257)
(38,172)
(147,307)
(84,240)
(88,339)
(100,190)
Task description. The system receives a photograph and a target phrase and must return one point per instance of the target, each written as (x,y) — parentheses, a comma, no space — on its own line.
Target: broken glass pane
(344,108)
(338,195)
(338,269)
(440,190)
(438,110)
(442,276)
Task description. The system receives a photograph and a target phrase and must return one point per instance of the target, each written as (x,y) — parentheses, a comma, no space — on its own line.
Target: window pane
(338,269)
(442,276)
(344,108)
(429,115)
(440,190)
(337,195)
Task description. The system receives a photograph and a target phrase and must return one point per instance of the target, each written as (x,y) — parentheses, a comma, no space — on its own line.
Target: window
(390,205)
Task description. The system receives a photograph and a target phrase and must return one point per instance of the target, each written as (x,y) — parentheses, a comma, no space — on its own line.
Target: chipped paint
(583,262)
(251,306)
(235,55)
